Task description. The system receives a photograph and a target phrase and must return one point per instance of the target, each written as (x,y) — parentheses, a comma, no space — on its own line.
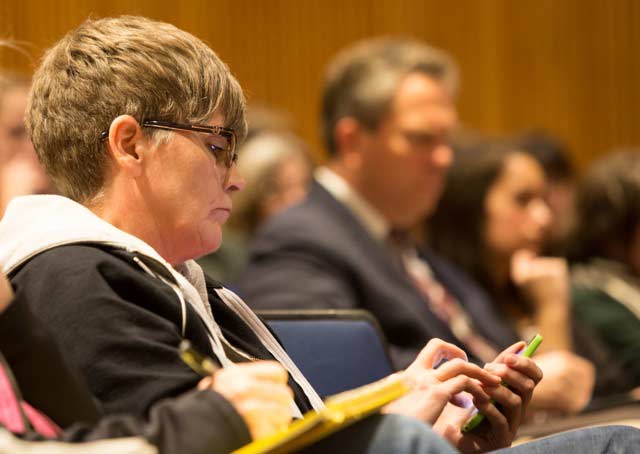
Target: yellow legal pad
(341,410)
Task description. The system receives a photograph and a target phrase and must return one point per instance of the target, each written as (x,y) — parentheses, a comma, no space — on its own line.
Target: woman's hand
(433,389)
(544,281)
(259,393)
(502,416)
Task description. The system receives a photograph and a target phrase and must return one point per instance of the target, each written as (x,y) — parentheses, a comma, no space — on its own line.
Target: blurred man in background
(388,114)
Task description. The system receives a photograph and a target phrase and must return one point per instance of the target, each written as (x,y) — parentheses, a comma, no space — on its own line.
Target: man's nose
(442,156)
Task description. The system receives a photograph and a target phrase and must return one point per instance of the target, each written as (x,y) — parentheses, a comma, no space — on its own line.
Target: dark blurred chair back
(336,350)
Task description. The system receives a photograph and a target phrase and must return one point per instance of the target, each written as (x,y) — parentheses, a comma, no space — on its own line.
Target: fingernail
(512,360)
(440,363)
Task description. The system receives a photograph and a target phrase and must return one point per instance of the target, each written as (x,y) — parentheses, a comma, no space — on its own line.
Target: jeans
(595,440)
(396,434)
(383,434)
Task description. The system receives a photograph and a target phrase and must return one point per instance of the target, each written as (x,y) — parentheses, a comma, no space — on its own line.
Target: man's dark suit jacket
(318,255)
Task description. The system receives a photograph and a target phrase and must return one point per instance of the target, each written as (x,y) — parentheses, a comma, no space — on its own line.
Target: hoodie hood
(36,223)
(33,224)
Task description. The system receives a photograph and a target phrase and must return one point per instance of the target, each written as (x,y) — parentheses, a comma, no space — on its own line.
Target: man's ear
(350,137)
(127,144)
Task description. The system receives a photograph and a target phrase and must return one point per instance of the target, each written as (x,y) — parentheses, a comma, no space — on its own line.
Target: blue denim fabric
(396,434)
(596,440)
(405,435)
(383,434)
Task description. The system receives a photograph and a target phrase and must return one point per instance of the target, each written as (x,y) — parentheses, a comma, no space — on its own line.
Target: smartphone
(527,352)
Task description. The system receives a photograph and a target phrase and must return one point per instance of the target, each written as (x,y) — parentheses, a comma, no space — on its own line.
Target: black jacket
(196,422)
(121,327)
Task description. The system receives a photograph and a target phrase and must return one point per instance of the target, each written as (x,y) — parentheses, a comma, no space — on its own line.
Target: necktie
(442,303)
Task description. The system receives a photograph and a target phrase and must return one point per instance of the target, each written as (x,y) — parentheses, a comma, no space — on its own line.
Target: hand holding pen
(257,390)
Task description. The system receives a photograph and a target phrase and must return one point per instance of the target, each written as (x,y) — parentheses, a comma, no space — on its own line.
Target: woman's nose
(541,213)
(234,180)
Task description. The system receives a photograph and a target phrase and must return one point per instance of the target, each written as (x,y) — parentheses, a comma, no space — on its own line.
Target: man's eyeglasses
(220,140)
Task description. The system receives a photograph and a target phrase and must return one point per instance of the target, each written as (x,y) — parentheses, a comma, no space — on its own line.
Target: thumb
(436,351)
(452,434)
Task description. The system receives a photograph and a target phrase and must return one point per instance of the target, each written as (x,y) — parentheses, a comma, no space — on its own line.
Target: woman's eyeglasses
(221,141)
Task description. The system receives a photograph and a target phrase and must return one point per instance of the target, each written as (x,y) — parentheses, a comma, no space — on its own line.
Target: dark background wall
(570,66)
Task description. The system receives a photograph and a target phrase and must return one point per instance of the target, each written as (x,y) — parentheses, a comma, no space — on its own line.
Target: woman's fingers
(459,367)
(259,393)
(526,366)
(510,405)
(513,349)
(435,351)
(454,386)
(263,370)
(500,433)
(519,382)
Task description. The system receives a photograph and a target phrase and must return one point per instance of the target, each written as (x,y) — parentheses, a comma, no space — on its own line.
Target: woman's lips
(221,214)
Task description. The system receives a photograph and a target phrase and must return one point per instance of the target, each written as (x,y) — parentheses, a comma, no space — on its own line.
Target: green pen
(528,352)
(199,363)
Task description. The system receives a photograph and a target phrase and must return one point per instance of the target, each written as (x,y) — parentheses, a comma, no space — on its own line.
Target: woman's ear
(127,144)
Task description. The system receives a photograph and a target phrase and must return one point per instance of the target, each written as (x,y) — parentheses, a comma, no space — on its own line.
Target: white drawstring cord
(240,307)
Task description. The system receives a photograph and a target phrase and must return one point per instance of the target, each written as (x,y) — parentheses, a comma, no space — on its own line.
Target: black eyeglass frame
(230,156)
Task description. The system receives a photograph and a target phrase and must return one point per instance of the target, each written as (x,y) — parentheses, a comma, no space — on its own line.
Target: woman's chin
(211,240)
(204,241)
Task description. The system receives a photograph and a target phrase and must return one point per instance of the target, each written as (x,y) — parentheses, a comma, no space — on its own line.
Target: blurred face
(13,136)
(561,197)
(189,194)
(20,170)
(291,186)
(517,215)
(407,157)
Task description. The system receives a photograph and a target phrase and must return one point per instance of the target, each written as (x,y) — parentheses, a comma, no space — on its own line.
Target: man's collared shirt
(341,190)
(441,303)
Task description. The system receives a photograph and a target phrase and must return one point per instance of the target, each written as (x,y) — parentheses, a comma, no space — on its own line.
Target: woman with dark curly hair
(491,221)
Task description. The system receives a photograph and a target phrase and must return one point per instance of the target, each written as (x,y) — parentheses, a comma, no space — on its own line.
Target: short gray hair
(115,66)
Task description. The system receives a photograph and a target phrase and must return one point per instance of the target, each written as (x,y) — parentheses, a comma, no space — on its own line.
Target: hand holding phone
(478,417)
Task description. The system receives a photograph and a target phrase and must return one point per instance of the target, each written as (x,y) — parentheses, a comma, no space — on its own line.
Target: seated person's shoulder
(83,281)
(301,225)
(82,272)
(73,258)
(293,217)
